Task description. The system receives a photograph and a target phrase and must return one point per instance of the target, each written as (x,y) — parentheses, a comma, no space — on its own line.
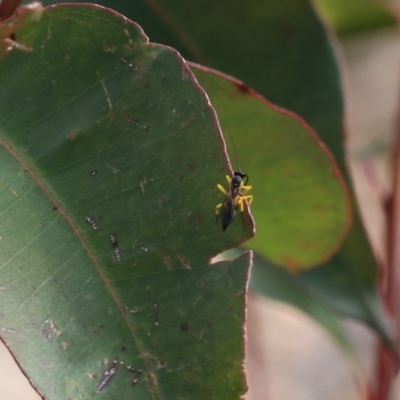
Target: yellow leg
(245,189)
(241,200)
(222,189)
(217,208)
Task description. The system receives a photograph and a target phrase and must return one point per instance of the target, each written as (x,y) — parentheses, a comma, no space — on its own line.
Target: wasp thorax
(236,181)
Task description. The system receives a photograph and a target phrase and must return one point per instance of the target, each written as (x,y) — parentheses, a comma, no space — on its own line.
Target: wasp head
(238,177)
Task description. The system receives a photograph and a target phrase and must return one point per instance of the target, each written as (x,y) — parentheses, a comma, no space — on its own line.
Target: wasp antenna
(236,153)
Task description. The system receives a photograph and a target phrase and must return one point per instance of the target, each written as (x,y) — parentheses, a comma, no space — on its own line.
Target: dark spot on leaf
(108,375)
(55,208)
(46,333)
(209,324)
(136,378)
(162,78)
(181,178)
(229,271)
(13,36)
(242,87)
(124,349)
(185,262)
(184,326)
(200,218)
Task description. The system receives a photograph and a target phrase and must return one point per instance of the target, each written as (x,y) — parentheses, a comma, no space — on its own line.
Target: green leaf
(300,204)
(110,157)
(349,17)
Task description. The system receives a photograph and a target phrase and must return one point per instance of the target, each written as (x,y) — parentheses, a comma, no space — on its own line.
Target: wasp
(235,196)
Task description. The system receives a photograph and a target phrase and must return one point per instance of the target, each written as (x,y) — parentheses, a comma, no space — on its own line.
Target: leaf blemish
(130,41)
(71,136)
(108,375)
(106,93)
(166,261)
(93,173)
(145,249)
(9,330)
(53,328)
(91,222)
(156,321)
(184,326)
(185,262)
(137,376)
(114,243)
(109,49)
(113,169)
(142,183)
(132,120)
(129,64)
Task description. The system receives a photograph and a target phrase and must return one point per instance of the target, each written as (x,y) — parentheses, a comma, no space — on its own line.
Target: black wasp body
(235,198)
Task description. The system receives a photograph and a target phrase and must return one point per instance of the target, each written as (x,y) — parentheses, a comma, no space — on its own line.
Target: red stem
(390,284)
